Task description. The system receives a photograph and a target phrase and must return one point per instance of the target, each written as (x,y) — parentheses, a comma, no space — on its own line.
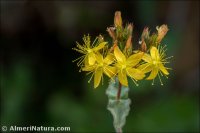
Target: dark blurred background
(41,86)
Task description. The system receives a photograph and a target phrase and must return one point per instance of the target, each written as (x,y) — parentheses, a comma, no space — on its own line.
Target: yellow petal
(86,61)
(147,58)
(100,46)
(135,73)
(134,59)
(109,59)
(154,53)
(91,58)
(153,74)
(122,78)
(89,68)
(99,57)
(145,68)
(97,77)
(119,55)
(110,71)
(163,69)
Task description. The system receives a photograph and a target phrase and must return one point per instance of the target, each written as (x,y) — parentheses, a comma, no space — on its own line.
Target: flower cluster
(120,59)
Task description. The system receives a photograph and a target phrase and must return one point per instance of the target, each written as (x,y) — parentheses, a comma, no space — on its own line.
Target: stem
(119,91)
(119,130)
(118,104)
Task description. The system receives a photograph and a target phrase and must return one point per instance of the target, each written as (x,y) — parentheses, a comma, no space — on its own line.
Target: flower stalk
(119,91)
(121,63)
(118,106)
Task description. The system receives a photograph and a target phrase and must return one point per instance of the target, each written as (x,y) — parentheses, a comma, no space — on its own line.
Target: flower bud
(111,32)
(118,19)
(162,31)
(143,46)
(129,43)
(145,33)
(130,28)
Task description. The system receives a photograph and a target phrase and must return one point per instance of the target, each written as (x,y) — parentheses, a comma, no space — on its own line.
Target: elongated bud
(118,19)
(143,46)
(111,32)
(145,33)
(162,31)
(130,28)
(129,42)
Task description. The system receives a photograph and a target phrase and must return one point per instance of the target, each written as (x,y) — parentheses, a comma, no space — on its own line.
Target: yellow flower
(126,66)
(88,50)
(155,63)
(101,66)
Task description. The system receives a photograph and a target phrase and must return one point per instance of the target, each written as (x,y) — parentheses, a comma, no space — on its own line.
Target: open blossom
(88,50)
(120,58)
(120,61)
(155,63)
(125,66)
(102,65)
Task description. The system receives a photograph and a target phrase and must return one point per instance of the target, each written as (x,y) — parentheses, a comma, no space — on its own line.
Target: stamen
(169,68)
(166,76)
(89,72)
(80,62)
(169,57)
(165,62)
(160,73)
(146,67)
(109,71)
(113,79)
(91,77)
(152,82)
(162,51)
(93,44)
(78,58)
(79,50)
(160,79)
(134,82)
